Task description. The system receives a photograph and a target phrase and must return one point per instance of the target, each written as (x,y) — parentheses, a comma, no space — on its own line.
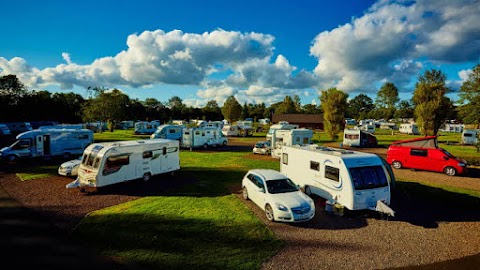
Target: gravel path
(419,234)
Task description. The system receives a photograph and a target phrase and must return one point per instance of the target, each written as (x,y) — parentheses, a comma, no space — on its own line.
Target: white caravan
(48,143)
(280,125)
(353,179)
(470,136)
(144,127)
(236,130)
(171,132)
(359,138)
(109,163)
(281,137)
(409,128)
(203,137)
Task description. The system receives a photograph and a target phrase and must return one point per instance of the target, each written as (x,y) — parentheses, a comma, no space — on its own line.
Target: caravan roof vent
(343,152)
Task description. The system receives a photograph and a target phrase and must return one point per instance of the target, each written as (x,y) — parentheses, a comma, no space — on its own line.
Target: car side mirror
(261,189)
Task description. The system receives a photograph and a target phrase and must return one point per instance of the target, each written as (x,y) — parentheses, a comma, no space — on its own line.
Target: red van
(424,154)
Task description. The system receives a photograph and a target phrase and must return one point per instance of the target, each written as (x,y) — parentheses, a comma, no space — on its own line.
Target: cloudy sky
(258,51)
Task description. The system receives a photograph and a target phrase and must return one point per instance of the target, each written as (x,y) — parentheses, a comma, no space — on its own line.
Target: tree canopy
(334,104)
(470,93)
(231,109)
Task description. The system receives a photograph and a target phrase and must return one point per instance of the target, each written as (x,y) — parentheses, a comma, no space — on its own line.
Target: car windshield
(447,153)
(281,186)
(261,144)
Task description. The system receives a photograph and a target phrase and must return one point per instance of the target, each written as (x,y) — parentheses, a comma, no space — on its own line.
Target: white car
(262,147)
(70,168)
(277,195)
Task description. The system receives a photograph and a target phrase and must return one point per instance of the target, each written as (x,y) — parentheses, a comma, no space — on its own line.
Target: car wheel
(450,171)
(269,213)
(146,177)
(205,146)
(12,158)
(308,191)
(397,164)
(245,193)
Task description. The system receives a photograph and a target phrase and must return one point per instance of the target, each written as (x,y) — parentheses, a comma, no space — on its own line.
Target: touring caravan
(281,137)
(353,179)
(424,154)
(470,136)
(409,128)
(279,125)
(144,127)
(203,137)
(109,163)
(172,132)
(48,143)
(359,138)
(236,130)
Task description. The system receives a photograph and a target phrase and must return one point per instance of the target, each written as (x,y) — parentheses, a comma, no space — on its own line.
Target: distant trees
(108,106)
(360,106)
(231,109)
(431,104)
(334,104)
(387,98)
(287,106)
(470,92)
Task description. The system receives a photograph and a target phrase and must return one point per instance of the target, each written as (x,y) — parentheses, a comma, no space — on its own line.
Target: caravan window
(114,163)
(285,159)
(332,173)
(368,177)
(315,165)
(147,154)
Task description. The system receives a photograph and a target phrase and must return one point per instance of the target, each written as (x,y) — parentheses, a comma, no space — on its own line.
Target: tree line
(430,106)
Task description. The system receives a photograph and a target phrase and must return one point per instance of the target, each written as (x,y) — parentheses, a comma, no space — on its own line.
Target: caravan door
(39,146)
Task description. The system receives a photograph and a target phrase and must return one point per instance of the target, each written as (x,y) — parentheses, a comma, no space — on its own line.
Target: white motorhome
(144,127)
(359,138)
(353,179)
(171,132)
(279,125)
(470,136)
(409,128)
(109,163)
(283,137)
(203,137)
(48,143)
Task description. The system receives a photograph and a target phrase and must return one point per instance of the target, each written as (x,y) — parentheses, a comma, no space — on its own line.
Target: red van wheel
(450,171)
(397,164)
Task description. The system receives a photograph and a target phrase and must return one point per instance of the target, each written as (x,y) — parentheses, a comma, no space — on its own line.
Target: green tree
(334,104)
(245,113)
(405,110)
(359,106)
(231,109)
(287,106)
(311,109)
(298,103)
(387,98)
(107,106)
(470,93)
(212,111)
(431,104)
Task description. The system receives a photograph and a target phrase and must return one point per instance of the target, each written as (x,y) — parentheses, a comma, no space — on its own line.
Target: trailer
(203,137)
(359,138)
(48,143)
(283,137)
(172,132)
(409,128)
(110,163)
(144,127)
(470,136)
(356,180)
(236,130)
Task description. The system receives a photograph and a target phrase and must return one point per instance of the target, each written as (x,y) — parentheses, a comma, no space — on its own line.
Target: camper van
(48,143)
(409,128)
(281,137)
(144,127)
(203,137)
(279,125)
(171,132)
(470,136)
(109,163)
(424,154)
(359,138)
(353,179)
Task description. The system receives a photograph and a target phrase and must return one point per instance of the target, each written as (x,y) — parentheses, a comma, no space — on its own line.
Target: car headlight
(462,164)
(281,207)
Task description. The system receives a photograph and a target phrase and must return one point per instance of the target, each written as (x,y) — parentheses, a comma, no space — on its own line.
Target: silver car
(262,147)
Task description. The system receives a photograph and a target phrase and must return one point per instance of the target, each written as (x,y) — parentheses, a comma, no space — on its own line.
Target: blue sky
(259,51)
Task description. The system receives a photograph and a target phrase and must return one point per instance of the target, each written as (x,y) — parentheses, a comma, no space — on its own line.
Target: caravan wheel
(205,146)
(146,177)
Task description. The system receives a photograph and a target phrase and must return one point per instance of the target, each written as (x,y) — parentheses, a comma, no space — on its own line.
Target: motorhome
(110,163)
(470,136)
(203,137)
(409,128)
(214,124)
(359,138)
(48,143)
(279,125)
(281,137)
(353,179)
(424,154)
(144,127)
(172,132)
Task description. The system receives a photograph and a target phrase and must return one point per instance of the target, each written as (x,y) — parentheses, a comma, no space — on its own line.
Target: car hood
(71,163)
(291,199)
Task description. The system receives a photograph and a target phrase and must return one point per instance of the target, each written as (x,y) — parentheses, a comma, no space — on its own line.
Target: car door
(254,189)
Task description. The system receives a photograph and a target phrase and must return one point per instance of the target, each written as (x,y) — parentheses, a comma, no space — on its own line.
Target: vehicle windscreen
(447,153)
(281,186)
(368,177)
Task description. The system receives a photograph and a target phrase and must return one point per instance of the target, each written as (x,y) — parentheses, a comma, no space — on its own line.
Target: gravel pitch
(419,234)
